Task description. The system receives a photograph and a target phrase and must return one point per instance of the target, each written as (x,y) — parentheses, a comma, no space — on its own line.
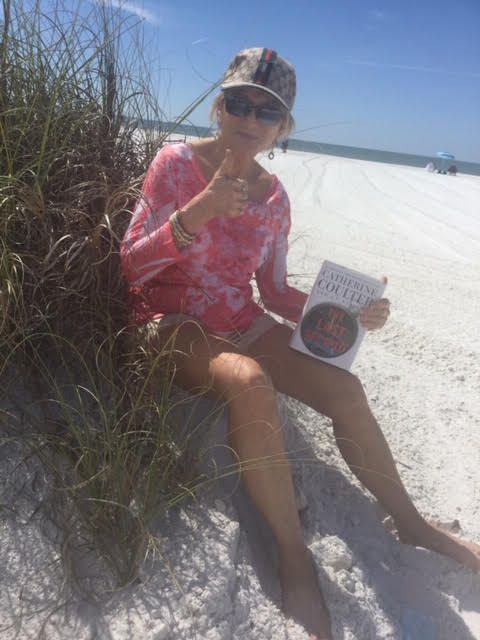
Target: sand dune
(422,376)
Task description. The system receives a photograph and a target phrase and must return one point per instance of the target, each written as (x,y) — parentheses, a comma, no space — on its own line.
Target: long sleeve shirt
(209,279)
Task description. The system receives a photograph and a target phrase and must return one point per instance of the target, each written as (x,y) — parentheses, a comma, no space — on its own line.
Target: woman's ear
(282,129)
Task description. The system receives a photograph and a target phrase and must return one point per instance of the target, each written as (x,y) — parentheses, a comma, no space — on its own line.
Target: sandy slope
(422,376)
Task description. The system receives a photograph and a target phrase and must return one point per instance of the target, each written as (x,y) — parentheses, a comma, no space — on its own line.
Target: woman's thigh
(324,387)
(200,361)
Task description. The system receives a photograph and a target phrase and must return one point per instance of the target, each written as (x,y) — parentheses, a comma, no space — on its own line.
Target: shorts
(240,339)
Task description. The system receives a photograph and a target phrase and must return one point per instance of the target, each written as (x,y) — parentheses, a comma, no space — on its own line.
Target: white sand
(422,376)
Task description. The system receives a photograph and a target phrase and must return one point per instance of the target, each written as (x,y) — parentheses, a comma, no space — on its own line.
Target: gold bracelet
(179,231)
(179,240)
(182,237)
(185,233)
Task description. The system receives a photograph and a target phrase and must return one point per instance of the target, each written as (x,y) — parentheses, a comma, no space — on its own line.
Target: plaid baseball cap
(263,69)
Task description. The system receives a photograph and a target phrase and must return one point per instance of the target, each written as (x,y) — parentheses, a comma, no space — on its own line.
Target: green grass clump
(73,86)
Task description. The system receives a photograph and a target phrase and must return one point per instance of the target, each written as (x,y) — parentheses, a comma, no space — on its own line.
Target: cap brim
(232,85)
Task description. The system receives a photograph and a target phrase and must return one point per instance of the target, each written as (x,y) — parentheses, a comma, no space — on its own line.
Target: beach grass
(74,86)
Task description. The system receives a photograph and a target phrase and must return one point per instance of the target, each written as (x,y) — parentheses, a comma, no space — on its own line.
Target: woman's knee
(349,398)
(243,377)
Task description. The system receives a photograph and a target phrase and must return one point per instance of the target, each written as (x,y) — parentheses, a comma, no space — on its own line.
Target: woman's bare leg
(256,437)
(338,394)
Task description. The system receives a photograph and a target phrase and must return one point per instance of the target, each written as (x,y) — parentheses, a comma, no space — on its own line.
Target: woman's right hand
(226,195)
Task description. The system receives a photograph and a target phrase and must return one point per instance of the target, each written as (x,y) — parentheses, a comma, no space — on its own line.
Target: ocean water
(376,155)
(359,153)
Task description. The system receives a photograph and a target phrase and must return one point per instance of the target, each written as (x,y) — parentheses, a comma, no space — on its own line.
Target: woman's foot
(431,536)
(301,595)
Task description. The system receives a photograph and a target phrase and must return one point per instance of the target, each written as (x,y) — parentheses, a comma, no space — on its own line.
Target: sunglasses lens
(237,106)
(269,116)
(240,107)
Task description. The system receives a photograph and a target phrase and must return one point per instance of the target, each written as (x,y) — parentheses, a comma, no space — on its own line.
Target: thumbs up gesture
(225,196)
(227,192)
(235,164)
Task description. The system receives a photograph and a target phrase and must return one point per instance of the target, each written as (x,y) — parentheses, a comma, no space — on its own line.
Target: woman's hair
(219,101)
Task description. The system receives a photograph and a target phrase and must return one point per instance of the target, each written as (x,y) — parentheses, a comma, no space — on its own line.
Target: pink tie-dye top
(209,279)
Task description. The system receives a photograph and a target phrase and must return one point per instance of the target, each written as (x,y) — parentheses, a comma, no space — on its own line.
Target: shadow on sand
(410,586)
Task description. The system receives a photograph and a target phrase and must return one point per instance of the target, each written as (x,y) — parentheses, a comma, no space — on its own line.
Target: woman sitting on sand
(210,217)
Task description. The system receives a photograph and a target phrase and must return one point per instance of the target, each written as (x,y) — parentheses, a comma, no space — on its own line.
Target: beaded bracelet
(182,237)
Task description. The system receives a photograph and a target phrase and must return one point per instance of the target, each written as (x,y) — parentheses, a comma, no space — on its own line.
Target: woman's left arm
(287,301)
(277,295)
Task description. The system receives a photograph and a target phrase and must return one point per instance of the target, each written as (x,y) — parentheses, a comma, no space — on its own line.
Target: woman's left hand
(376,315)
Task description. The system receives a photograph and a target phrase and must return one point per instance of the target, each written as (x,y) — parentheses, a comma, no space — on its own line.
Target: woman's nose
(251,116)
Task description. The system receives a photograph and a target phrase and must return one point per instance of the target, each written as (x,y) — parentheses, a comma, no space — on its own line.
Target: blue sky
(400,75)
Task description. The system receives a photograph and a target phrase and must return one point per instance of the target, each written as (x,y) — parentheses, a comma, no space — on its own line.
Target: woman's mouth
(248,136)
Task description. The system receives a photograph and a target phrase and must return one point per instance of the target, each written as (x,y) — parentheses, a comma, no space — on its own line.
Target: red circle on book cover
(328,330)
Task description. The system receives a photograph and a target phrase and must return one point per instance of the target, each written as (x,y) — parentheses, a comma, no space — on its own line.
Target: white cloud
(386,65)
(141,12)
(377,14)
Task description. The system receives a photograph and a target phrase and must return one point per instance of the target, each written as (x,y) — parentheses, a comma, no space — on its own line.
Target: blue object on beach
(417,626)
(444,156)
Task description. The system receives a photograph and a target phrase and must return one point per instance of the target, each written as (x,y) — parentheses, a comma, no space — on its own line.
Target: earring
(271,155)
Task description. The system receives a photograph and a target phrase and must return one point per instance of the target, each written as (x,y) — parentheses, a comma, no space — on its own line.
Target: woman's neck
(211,152)
(209,155)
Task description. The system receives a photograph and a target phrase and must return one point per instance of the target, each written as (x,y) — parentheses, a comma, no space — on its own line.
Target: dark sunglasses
(241,107)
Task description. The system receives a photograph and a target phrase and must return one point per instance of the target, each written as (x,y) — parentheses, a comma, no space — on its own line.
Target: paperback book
(329,328)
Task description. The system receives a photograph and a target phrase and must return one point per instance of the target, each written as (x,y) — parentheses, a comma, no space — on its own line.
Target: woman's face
(248,133)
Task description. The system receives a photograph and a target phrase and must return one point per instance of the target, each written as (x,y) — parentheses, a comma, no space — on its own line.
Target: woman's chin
(244,142)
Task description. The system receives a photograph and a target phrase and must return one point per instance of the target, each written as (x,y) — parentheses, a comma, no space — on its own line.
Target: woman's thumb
(226,167)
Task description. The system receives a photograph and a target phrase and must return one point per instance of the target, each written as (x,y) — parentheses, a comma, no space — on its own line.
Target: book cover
(329,328)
